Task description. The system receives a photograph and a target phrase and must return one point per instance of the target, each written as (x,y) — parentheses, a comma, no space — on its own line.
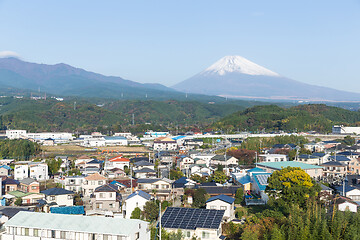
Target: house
(39,171)
(354,166)
(143,164)
(72,183)
(220,160)
(258,186)
(9,185)
(21,170)
(183,182)
(313,170)
(164,143)
(118,162)
(199,223)
(222,202)
(28,198)
(134,200)
(203,156)
(145,173)
(29,185)
(220,190)
(334,169)
(314,147)
(60,196)
(7,212)
(159,188)
(273,157)
(91,182)
(5,170)
(34,225)
(193,143)
(65,162)
(345,204)
(106,198)
(314,159)
(115,173)
(186,162)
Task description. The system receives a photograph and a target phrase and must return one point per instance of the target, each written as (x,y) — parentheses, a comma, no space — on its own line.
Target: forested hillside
(311,117)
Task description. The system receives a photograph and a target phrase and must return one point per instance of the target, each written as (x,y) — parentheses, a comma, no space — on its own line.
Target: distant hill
(312,117)
(51,115)
(237,77)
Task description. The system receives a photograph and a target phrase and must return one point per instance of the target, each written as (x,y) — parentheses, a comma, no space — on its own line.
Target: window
(52,198)
(106,237)
(222,207)
(63,234)
(53,233)
(188,234)
(212,207)
(102,195)
(69,197)
(111,205)
(110,195)
(205,234)
(36,232)
(99,205)
(26,232)
(100,182)
(34,187)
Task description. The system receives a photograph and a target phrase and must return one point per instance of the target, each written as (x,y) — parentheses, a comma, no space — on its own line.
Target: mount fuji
(237,77)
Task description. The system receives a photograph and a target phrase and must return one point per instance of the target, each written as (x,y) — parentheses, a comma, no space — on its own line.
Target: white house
(346,205)
(91,182)
(37,226)
(134,200)
(60,196)
(21,170)
(164,143)
(222,202)
(117,162)
(39,171)
(203,156)
(16,134)
(71,183)
(341,129)
(273,158)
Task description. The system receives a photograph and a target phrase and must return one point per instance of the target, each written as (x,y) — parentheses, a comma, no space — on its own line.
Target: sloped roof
(95,176)
(28,181)
(224,198)
(119,159)
(6,167)
(340,158)
(143,163)
(141,194)
(56,191)
(145,170)
(107,188)
(10,181)
(256,169)
(333,163)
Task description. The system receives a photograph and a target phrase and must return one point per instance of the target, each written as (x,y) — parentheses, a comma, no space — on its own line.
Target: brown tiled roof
(95,176)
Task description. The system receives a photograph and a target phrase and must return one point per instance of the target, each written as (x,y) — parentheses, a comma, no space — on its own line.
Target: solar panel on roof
(263,179)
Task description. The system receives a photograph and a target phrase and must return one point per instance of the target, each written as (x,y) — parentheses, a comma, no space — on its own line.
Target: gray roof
(145,170)
(147,180)
(75,223)
(27,181)
(144,163)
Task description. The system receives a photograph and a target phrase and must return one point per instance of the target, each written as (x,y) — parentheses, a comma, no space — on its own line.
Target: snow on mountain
(230,64)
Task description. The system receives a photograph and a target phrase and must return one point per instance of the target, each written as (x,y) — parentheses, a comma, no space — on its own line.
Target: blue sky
(167,41)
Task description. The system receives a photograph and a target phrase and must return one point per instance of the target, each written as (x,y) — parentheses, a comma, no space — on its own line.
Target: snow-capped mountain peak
(229,64)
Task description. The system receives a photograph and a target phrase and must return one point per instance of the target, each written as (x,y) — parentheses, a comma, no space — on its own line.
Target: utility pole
(160,220)
(133,119)
(74,106)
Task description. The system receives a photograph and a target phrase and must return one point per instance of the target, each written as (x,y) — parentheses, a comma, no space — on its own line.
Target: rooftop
(223,198)
(280,165)
(75,223)
(139,193)
(95,176)
(56,191)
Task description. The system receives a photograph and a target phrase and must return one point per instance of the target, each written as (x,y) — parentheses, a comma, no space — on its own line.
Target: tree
(18,202)
(136,213)
(243,155)
(219,177)
(199,198)
(239,195)
(176,174)
(292,185)
(151,211)
(54,165)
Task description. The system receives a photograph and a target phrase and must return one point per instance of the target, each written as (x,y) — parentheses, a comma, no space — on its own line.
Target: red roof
(119,159)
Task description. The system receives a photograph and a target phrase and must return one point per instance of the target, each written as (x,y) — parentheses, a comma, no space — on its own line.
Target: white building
(16,134)
(21,170)
(37,226)
(134,200)
(91,182)
(273,158)
(222,202)
(39,171)
(340,129)
(57,136)
(60,196)
(71,183)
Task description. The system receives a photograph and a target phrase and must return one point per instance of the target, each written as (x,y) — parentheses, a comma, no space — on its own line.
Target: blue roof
(56,191)
(340,158)
(6,167)
(117,183)
(318,154)
(256,169)
(68,210)
(178,137)
(114,138)
(224,198)
(244,180)
(141,194)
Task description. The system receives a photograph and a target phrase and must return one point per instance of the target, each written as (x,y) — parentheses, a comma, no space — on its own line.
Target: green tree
(53,165)
(199,198)
(239,195)
(151,211)
(176,174)
(219,177)
(292,185)
(136,213)
(18,202)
